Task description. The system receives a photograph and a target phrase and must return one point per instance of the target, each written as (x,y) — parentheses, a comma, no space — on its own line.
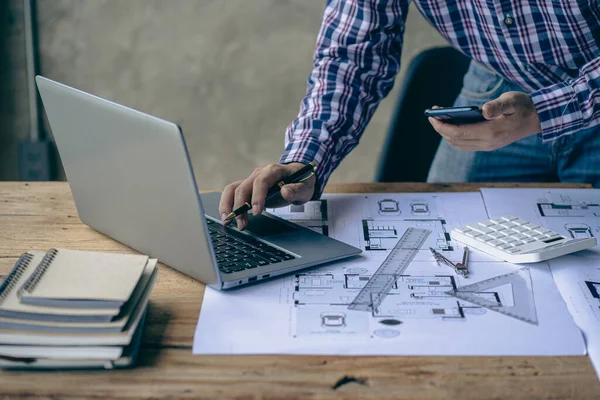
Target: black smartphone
(456,115)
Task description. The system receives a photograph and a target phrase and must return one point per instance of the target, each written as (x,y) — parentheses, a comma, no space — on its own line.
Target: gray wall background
(230,72)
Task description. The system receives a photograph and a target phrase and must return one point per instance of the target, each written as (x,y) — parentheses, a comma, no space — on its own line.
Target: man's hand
(510,117)
(254,190)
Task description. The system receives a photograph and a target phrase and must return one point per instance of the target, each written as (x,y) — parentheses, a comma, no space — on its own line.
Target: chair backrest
(434,77)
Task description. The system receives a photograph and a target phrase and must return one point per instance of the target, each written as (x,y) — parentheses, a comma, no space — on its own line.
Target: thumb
(492,109)
(297,192)
(503,105)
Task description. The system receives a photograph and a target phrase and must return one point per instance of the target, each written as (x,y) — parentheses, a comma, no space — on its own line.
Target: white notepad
(83,279)
(12,307)
(117,332)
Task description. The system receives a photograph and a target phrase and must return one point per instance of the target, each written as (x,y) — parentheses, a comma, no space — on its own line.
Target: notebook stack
(74,309)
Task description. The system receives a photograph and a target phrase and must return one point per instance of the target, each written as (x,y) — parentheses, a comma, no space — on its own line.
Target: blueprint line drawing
(382,235)
(594,288)
(312,215)
(321,303)
(419,209)
(568,210)
(579,230)
(560,204)
(308,312)
(389,207)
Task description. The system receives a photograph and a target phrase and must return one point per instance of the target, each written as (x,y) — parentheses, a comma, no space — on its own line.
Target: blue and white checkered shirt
(551,48)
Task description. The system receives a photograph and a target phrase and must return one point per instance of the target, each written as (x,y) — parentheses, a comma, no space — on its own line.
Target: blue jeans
(573,158)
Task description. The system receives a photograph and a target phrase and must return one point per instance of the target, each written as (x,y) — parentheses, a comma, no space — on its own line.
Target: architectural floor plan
(312,215)
(308,312)
(572,212)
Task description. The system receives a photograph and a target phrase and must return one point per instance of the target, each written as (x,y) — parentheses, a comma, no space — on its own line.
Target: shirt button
(509,20)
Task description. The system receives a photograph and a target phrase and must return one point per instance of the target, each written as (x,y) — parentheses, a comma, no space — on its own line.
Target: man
(535,72)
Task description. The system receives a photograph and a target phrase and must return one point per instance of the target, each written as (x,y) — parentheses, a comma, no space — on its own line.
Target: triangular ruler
(522,306)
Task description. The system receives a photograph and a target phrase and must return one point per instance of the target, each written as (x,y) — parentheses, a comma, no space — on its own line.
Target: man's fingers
(242,195)
(455,132)
(253,191)
(269,176)
(227,198)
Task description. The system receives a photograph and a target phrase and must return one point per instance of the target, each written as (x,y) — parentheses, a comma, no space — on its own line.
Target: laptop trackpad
(264,226)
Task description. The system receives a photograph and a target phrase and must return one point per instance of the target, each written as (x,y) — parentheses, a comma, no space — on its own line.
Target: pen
(299,176)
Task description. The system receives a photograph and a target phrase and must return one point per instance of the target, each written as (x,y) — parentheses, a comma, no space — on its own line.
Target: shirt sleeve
(570,106)
(355,62)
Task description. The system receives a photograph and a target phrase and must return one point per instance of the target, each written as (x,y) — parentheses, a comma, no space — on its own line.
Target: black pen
(299,176)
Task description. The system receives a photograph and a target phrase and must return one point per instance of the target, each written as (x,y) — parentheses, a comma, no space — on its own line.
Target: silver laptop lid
(131,178)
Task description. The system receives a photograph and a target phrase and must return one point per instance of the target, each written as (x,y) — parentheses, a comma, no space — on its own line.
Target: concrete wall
(14,123)
(230,72)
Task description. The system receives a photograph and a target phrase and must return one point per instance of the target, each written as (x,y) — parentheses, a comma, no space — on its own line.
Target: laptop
(132,180)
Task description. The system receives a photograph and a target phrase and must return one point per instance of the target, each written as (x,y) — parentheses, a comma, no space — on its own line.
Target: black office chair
(434,77)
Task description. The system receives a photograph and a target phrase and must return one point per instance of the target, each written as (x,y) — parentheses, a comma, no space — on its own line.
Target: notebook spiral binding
(39,272)
(15,275)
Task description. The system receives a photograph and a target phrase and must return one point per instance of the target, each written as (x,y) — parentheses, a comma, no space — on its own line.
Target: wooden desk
(42,215)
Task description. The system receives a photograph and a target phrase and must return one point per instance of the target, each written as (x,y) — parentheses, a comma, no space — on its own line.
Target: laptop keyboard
(239,252)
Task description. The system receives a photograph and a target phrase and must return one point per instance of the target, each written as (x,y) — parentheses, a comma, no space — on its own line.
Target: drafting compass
(460,268)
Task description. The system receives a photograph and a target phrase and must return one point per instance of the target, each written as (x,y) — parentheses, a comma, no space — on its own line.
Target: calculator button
(497,220)
(518,236)
(473,234)
(529,240)
(480,228)
(530,226)
(539,237)
(509,225)
(486,223)
(505,246)
(530,234)
(462,230)
(507,239)
(497,228)
(510,218)
(495,243)
(520,222)
(518,229)
(513,250)
(496,235)
(542,231)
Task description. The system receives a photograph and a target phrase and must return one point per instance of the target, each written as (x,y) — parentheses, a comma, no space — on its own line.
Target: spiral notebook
(127,358)
(12,307)
(83,279)
(117,332)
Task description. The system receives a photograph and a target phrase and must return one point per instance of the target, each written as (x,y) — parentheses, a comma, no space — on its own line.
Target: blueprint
(312,215)
(307,312)
(574,213)
(571,212)
(578,280)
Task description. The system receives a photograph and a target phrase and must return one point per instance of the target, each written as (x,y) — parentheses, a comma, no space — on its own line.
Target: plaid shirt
(551,48)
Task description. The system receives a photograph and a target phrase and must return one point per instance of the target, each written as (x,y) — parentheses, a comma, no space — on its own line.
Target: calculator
(518,241)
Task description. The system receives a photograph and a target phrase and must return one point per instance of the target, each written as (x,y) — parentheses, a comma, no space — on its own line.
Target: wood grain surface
(42,215)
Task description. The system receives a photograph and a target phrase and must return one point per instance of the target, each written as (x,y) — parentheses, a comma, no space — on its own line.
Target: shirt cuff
(558,109)
(307,150)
